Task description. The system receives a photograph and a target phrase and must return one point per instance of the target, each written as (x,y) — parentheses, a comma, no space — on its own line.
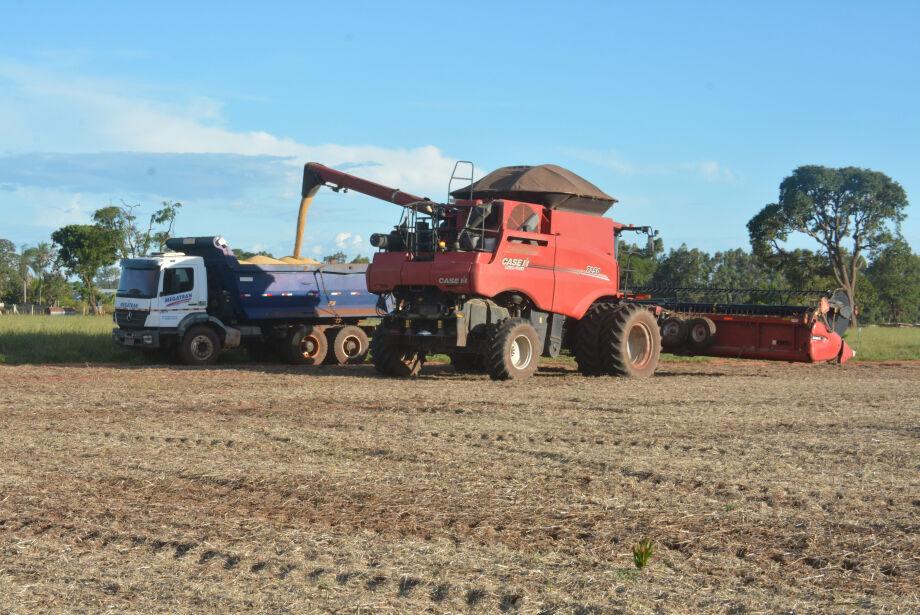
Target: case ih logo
(452,281)
(515,264)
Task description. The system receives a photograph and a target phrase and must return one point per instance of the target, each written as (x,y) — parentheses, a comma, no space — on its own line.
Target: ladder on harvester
(455,177)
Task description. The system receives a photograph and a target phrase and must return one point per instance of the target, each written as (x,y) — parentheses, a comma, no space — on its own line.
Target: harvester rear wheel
(587,339)
(673,333)
(464,362)
(512,350)
(306,345)
(702,333)
(631,342)
(391,360)
(350,345)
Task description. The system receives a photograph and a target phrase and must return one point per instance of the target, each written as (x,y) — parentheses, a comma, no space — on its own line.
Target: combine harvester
(523,263)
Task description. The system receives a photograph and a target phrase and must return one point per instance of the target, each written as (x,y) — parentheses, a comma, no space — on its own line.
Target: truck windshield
(138,283)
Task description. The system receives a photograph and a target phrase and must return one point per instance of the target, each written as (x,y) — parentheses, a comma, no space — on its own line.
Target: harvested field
(765,487)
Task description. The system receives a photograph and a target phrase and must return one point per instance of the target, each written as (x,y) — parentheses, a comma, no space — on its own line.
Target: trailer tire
(631,342)
(391,360)
(349,345)
(701,333)
(674,333)
(306,345)
(467,363)
(588,336)
(512,350)
(199,346)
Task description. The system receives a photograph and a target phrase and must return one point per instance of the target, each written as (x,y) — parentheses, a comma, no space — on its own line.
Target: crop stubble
(766,487)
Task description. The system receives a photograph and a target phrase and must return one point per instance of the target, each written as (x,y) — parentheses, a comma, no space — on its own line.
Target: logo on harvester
(453,281)
(178,299)
(515,264)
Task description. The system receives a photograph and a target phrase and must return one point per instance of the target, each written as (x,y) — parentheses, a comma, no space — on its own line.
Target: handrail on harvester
(316,175)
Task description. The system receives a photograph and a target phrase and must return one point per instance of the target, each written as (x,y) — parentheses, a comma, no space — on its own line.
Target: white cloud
(74,114)
(346,240)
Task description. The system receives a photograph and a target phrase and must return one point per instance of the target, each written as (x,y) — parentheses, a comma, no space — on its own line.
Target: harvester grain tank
(522,264)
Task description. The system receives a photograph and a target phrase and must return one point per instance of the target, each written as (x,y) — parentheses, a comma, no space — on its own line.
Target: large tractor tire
(588,339)
(701,333)
(468,363)
(391,360)
(349,345)
(306,345)
(199,346)
(674,333)
(512,350)
(631,342)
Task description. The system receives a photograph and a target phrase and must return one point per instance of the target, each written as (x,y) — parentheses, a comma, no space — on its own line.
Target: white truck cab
(160,298)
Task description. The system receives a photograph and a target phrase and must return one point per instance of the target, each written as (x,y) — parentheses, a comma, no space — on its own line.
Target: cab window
(178,280)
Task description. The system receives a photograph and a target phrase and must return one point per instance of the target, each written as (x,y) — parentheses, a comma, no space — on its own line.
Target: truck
(523,263)
(197,299)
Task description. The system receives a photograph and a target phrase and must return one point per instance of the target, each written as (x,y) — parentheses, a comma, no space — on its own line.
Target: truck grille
(130,319)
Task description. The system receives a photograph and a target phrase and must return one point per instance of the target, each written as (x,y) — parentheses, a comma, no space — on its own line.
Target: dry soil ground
(766,488)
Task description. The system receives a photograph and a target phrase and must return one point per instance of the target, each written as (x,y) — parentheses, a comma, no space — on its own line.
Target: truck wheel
(512,350)
(588,339)
(350,345)
(465,362)
(702,333)
(200,346)
(306,345)
(631,342)
(391,360)
(673,333)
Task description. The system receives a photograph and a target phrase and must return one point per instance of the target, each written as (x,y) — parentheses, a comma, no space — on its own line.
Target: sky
(690,114)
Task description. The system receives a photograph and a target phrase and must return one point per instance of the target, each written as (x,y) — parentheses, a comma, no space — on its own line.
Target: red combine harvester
(523,263)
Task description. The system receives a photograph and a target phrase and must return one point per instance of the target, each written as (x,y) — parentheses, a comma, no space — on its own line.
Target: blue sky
(689,113)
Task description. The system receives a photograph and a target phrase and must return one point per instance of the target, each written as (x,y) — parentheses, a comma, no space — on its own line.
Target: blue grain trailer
(198,299)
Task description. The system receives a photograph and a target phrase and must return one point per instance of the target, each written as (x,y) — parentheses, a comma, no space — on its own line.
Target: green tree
(849,212)
(335,257)
(83,250)
(245,254)
(738,269)
(362,260)
(9,271)
(42,257)
(895,274)
(637,266)
(135,240)
(683,268)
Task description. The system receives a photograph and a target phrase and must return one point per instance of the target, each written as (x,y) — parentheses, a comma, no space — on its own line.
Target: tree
(683,268)
(849,211)
(637,266)
(245,254)
(133,240)
(895,274)
(9,271)
(42,258)
(361,260)
(25,270)
(84,249)
(335,257)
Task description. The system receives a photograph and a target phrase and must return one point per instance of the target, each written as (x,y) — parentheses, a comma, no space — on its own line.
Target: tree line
(852,214)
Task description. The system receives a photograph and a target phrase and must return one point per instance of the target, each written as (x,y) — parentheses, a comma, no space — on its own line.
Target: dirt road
(765,487)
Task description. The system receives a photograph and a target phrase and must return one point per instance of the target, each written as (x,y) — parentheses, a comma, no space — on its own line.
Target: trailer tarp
(546,184)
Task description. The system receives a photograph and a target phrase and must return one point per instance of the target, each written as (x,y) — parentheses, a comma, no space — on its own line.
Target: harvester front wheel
(588,336)
(513,350)
(631,342)
(391,360)
(306,345)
